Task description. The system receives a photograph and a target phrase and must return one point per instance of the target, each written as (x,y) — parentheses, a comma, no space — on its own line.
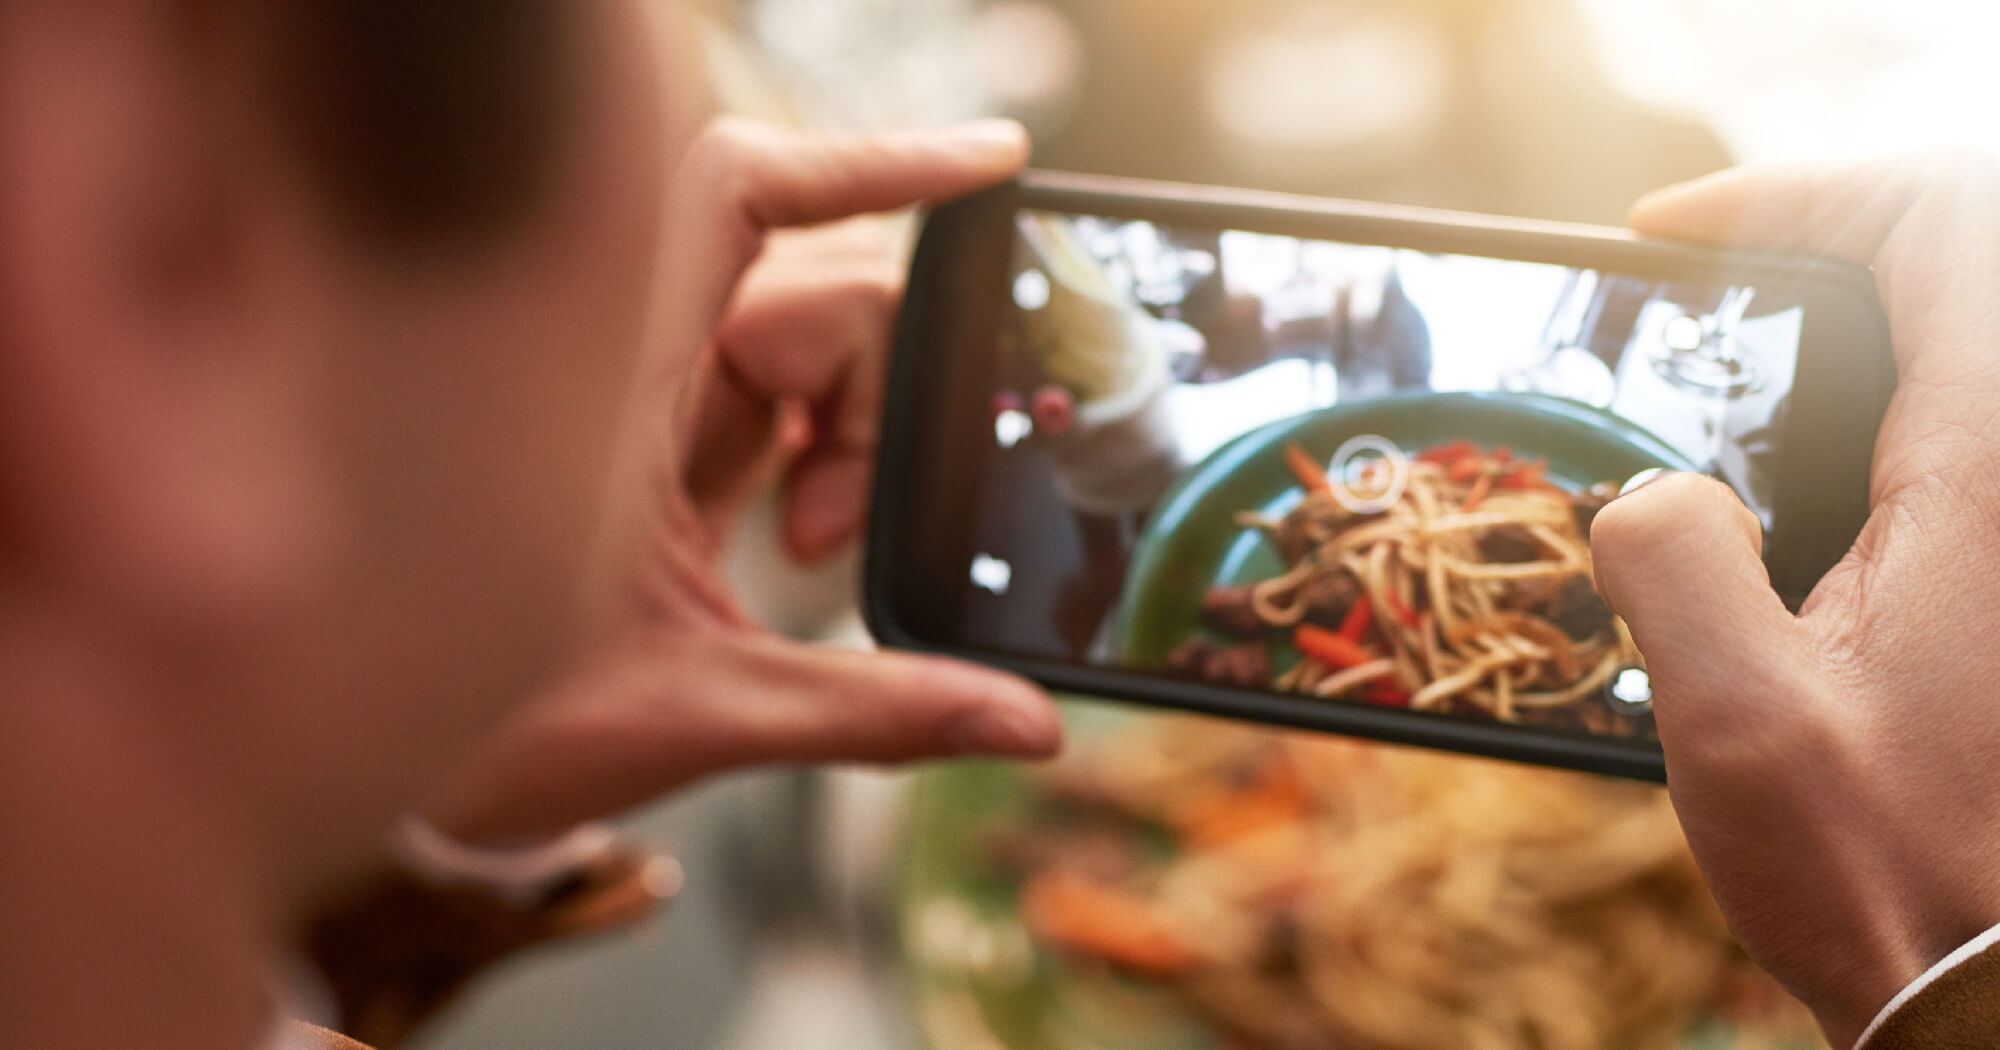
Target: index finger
(1928,221)
(742,179)
(1843,210)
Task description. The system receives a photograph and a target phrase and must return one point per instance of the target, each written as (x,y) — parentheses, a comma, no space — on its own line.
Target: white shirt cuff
(1965,951)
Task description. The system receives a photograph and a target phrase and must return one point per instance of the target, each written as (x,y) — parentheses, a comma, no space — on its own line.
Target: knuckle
(867,305)
(881,296)
(723,148)
(1775,740)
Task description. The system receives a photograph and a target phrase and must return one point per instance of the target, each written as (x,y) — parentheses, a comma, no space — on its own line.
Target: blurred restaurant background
(1558,109)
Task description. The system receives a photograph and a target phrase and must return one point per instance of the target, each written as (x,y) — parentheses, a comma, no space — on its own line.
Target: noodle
(1335,684)
(1473,586)
(1321,894)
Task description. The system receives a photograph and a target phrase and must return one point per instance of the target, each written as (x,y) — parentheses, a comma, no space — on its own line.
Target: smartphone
(1333,465)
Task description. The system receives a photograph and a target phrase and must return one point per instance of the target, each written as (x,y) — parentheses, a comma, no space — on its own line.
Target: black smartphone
(1333,465)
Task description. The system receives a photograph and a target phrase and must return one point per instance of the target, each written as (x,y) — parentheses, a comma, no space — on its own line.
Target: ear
(154,344)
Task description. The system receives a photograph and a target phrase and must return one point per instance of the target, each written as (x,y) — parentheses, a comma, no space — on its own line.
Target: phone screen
(1349,474)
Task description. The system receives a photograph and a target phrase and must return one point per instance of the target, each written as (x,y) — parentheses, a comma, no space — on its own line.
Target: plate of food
(1183,883)
(1449,572)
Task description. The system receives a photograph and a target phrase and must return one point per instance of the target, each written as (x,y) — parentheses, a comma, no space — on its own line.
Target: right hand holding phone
(1838,772)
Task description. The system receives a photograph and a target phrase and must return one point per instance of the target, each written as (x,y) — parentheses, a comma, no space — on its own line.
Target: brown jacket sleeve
(1959,1010)
(396,949)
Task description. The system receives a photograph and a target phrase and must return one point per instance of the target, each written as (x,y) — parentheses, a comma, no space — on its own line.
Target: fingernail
(990,135)
(1653,198)
(1642,479)
(1001,731)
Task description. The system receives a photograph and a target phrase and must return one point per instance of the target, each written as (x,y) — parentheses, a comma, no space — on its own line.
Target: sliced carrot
(1279,796)
(1081,916)
(1480,488)
(1466,469)
(1446,455)
(1311,476)
(1239,818)
(1503,455)
(1531,475)
(1359,618)
(1331,649)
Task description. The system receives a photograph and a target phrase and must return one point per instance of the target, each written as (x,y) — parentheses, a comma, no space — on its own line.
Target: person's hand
(780,370)
(1838,772)
(793,386)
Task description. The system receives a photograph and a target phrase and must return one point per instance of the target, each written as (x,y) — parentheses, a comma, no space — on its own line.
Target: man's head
(316,324)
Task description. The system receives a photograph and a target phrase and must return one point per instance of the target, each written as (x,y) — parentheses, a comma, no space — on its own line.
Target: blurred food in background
(1186,883)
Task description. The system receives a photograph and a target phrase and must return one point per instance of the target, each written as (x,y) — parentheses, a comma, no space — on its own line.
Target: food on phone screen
(1469,593)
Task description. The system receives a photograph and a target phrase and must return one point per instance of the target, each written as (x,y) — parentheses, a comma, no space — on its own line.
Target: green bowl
(1192,541)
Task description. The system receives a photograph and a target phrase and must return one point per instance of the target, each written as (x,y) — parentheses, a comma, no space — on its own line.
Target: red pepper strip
(1466,469)
(1399,610)
(1311,476)
(1359,616)
(1531,475)
(1382,694)
(1331,649)
(1446,455)
(1478,494)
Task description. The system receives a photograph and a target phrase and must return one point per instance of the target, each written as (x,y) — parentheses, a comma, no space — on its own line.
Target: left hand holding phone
(770,348)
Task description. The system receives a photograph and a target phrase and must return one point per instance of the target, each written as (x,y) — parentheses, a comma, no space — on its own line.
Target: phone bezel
(908,554)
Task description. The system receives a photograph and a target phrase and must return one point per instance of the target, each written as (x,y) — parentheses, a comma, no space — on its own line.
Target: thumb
(1679,560)
(675,710)
(1843,210)
(742,179)
(794,703)
(1924,219)
(790,179)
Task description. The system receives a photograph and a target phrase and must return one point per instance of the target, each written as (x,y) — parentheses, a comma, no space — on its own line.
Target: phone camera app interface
(1349,473)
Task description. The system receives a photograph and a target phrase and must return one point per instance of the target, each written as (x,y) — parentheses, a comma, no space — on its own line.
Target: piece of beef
(1247,665)
(1578,610)
(1228,611)
(1280,944)
(1190,657)
(1329,596)
(1534,593)
(1585,505)
(1509,544)
(1296,537)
